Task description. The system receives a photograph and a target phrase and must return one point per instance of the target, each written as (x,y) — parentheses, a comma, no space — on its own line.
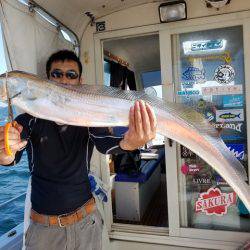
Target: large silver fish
(95,105)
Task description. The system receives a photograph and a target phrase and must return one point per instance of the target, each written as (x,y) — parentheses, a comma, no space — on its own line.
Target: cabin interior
(137,71)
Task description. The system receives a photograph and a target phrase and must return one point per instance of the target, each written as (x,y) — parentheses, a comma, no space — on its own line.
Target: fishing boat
(193,52)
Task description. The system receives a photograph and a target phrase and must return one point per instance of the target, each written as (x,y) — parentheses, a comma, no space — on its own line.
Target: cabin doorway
(139,194)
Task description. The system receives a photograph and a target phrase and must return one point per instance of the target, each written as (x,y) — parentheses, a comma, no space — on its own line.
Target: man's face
(65,72)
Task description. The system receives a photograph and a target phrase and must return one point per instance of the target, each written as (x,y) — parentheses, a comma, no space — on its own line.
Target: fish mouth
(3,75)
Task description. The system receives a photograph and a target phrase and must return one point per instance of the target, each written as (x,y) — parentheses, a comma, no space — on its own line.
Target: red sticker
(184,169)
(214,202)
(194,169)
(191,169)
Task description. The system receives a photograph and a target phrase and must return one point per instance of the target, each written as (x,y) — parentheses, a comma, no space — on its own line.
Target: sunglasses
(70,74)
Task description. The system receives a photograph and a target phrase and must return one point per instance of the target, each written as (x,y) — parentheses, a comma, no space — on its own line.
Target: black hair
(63,55)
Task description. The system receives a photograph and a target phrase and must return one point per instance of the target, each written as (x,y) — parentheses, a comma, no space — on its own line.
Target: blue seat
(146,169)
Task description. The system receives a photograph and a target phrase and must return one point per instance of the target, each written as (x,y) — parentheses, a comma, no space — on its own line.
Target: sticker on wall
(100,26)
(238,150)
(222,90)
(201,104)
(233,126)
(220,181)
(202,180)
(190,169)
(209,45)
(224,74)
(209,116)
(233,101)
(188,92)
(233,137)
(214,202)
(230,115)
(187,85)
(187,153)
(203,47)
(193,74)
(225,57)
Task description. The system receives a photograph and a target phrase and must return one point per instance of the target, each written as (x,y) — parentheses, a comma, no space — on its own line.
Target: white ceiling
(142,53)
(72,13)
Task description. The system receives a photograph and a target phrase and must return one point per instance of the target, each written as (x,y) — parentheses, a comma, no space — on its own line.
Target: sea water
(13,183)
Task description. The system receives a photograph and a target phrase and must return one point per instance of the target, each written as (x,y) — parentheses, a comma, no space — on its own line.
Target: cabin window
(211,79)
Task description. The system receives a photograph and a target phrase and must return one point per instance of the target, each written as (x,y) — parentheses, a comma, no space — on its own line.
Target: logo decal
(233,101)
(202,180)
(209,116)
(193,74)
(100,26)
(222,90)
(232,126)
(230,115)
(208,45)
(188,92)
(190,169)
(214,202)
(204,46)
(220,180)
(225,57)
(234,137)
(224,74)
(187,85)
(237,150)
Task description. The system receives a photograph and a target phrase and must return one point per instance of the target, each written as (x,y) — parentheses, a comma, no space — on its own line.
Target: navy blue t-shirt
(58,157)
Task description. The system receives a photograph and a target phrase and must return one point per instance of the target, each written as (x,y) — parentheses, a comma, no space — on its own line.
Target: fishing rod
(10,123)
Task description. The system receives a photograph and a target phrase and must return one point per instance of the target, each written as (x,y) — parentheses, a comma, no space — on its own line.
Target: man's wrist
(7,160)
(125,146)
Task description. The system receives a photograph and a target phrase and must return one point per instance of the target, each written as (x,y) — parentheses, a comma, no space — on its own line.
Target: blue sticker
(188,92)
(219,180)
(193,74)
(232,137)
(237,149)
(207,45)
(233,101)
(232,131)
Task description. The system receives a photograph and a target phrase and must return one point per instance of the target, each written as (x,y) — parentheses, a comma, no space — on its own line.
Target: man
(64,215)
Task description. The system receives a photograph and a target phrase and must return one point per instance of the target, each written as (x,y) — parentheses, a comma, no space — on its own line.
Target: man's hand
(14,141)
(142,126)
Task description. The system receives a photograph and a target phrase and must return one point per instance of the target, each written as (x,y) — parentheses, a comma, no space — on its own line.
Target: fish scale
(98,105)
